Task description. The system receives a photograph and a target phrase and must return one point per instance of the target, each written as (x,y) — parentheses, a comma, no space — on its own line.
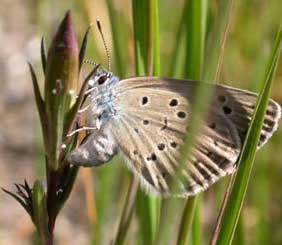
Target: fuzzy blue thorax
(101,96)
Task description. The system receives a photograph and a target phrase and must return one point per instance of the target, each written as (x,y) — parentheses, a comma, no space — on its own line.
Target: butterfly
(145,119)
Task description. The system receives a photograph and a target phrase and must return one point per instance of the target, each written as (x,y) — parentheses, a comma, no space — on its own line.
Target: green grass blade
(237,195)
(239,236)
(145,13)
(127,213)
(179,49)
(145,22)
(140,25)
(216,40)
(119,38)
(107,177)
(194,29)
(155,202)
(186,221)
(196,13)
(156,38)
(197,227)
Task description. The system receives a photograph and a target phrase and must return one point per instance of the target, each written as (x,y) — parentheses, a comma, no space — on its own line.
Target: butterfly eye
(102,80)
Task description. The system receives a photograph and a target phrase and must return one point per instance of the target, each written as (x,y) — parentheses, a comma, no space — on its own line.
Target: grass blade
(145,19)
(156,38)
(119,38)
(186,221)
(196,33)
(194,26)
(236,198)
(127,212)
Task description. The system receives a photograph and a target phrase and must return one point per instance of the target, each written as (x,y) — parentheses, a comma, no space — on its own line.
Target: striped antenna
(105,45)
(90,62)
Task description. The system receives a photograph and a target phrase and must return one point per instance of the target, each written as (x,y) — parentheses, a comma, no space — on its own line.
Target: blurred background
(98,194)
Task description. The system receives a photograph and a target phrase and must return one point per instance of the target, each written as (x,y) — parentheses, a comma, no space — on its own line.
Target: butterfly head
(102,80)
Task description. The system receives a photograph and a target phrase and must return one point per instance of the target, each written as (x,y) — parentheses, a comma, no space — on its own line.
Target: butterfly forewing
(146,119)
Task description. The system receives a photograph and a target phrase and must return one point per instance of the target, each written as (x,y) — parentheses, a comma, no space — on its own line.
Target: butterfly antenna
(90,62)
(105,45)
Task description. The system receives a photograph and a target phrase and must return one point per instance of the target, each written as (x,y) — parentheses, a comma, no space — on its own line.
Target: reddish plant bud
(61,83)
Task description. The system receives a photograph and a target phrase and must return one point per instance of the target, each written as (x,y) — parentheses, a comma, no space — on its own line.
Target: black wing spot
(181,114)
(212,125)
(227,110)
(135,152)
(173,144)
(269,123)
(153,157)
(145,100)
(161,146)
(271,112)
(262,138)
(164,174)
(221,98)
(173,102)
(145,122)
(136,130)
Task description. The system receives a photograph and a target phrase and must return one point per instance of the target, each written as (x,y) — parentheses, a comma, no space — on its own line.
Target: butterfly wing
(152,115)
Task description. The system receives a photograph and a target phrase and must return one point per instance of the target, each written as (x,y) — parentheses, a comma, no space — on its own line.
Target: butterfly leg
(81,129)
(84,109)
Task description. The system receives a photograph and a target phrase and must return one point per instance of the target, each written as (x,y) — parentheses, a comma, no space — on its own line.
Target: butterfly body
(145,119)
(101,97)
